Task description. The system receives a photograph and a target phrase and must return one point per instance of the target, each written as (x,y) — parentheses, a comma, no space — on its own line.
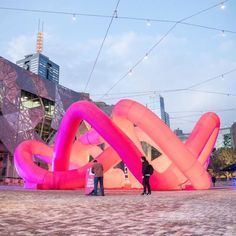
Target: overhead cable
(100,49)
(157,43)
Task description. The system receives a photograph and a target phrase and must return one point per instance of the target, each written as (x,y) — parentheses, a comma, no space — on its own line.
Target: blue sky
(188,55)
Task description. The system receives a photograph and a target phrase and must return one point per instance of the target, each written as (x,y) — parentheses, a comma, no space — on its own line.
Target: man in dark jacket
(146,176)
(97,169)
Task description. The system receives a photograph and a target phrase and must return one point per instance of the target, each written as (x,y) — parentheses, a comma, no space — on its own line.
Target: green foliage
(221,158)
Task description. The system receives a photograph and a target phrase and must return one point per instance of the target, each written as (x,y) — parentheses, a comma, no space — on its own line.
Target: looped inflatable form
(181,165)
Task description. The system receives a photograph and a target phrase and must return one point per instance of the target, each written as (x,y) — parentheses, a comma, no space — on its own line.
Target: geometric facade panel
(31,107)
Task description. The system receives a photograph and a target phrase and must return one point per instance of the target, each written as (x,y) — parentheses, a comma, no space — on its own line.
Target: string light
(211,79)
(202,111)
(148,23)
(222,6)
(100,49)
(130,72)
(145,57)
(115,14)
(152,92)
(223,33)
(74,17)
(159,41)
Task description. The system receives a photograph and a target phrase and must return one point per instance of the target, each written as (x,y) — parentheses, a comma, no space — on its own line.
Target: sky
(181,57)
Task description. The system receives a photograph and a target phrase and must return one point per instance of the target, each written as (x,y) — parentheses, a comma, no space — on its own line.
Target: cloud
(23,45)
(20,46)
(171,65)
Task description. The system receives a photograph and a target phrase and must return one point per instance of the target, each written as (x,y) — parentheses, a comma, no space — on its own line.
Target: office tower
(233,134)
(157,105)
(40,65)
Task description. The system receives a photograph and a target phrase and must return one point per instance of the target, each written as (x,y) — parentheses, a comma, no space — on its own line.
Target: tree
(221,158)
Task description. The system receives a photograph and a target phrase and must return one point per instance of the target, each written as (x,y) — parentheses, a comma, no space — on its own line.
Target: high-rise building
(224,138)
(167,119)
(162,108)
(40,65)
(233,134)
(157,105)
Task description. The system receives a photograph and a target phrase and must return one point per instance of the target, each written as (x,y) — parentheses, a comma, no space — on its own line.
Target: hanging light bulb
(146,56)
(130,73)
(115,14)
(222,77)
(223,33)
(222,6)
(74,17)
(148,23)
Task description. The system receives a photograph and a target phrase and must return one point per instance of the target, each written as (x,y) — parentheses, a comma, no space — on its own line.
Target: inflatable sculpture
(181,165)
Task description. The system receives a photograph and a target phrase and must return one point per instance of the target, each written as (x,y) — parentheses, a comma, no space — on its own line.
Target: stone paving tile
(59,213)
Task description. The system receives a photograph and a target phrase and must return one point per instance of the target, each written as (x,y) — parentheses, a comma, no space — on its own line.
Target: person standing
(1,170)
(146,176)
(213,179)
(97,169)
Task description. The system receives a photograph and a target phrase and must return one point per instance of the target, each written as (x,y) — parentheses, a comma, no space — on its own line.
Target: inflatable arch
(181,165)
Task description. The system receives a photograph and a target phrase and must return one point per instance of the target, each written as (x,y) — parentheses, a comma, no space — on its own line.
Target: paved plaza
(34,212)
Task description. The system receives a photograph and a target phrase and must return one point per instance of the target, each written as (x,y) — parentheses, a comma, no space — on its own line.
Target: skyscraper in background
(167,119)
(157,105)
(233,133)
(162,107)
(40,65)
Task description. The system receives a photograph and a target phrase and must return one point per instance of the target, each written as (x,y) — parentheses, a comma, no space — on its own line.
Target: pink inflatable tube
(185,164)
(183,156)
(61,177)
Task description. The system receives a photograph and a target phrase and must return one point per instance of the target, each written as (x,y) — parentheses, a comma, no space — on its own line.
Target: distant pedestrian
(213,179)
(146,176)
(97,170)
(1,169)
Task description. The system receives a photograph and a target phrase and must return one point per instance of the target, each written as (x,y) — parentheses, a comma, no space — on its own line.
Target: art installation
(181,165)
